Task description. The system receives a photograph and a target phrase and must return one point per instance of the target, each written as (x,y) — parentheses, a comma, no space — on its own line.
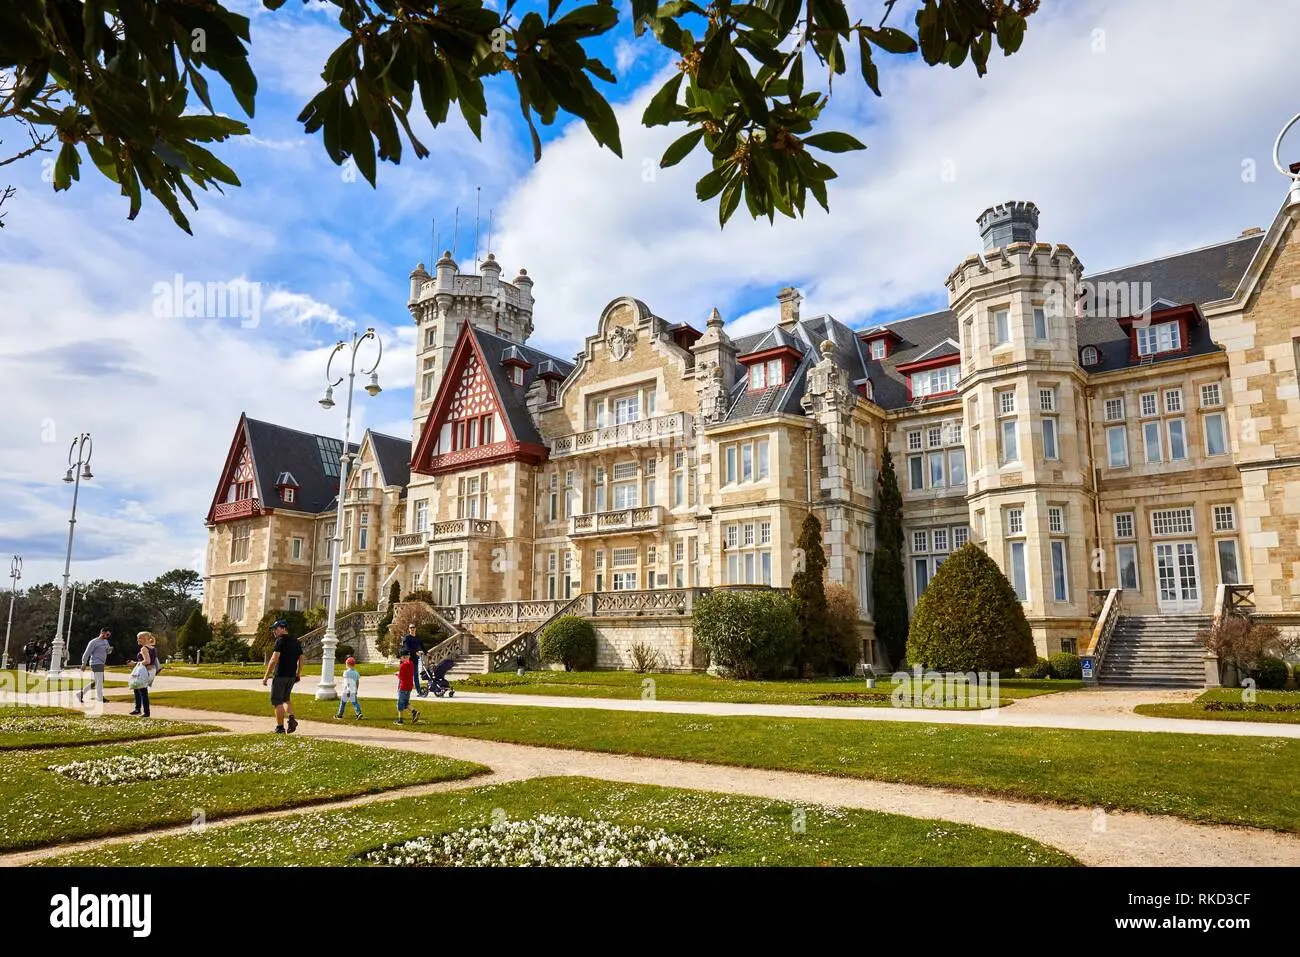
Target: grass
(32,682)
(57,728)
(740,831)
(41,807)
(1159,773)
(699,687)
(1198,709)
(254,669)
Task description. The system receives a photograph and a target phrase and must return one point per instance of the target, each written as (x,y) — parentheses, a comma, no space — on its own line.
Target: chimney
(1007,223)
(789,299)
(1252,231)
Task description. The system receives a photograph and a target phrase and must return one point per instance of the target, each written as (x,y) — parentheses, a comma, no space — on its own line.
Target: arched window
(1090,355)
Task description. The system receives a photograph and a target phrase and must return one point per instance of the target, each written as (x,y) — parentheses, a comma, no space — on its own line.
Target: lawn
(255,669)
(1226,704)
(701,828)
(701,687)
(32,682)
(25,727)
(222,776)
(1161,773)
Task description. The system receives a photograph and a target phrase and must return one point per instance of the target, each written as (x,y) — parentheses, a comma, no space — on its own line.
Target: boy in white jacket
(351,688)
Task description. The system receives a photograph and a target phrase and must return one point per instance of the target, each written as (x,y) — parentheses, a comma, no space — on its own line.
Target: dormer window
(934,381)
(552,390)
(765,375)
(517,375)
(1090,356)
(879,349)
(287,495)
(1165,337)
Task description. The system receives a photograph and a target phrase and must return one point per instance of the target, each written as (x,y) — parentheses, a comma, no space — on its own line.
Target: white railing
(619,520)
(493,612)
(623,435)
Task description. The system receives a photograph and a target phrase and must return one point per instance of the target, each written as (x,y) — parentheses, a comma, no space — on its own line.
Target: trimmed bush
(342,652)
(423,595)
(969,618)
(1271,674)
(194,634)
(753,634)
(808,599)
(1039,669)
(569,640)
(1065,666)
(845,640)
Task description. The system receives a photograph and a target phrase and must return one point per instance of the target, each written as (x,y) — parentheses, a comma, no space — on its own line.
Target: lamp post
(78,468)
(67,635)
(15,573)
(329,642)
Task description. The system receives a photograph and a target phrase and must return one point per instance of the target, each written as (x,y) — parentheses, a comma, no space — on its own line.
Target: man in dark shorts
(286,664)
(411,643)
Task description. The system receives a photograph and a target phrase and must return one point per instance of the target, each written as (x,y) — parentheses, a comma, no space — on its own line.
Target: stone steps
(1155,651)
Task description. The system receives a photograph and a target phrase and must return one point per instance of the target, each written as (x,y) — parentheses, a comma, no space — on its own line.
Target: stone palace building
(1122,443)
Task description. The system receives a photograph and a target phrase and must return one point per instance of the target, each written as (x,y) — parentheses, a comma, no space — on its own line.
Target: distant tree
(808,596)
(888,588)
(226,645)
(260,650)
(844,643)
(194,634)
(394,597)
(170,599)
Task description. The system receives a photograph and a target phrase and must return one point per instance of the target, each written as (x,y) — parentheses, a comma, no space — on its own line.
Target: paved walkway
(1091,835)
(1085,710)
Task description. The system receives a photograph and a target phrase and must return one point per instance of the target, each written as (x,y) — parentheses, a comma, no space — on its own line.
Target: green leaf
(730,200)
(663,107)
(680,148)
(833,142)
(1011,31)
(341,65)
(831,13)
(715,61)
(891,40)
(711,183)
(66,167)
(870,73)
(588,21)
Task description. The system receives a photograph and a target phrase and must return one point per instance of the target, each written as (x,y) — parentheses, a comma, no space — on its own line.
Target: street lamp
(15,573)
(78,468)
(325,690)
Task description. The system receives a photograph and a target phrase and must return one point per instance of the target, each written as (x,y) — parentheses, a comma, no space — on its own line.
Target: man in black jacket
(411,642)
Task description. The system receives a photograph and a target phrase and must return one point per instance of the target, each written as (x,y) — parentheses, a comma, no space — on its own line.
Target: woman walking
(148,657)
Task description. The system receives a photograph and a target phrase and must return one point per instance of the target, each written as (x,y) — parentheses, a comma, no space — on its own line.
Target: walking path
(1085,710)
(1091,835)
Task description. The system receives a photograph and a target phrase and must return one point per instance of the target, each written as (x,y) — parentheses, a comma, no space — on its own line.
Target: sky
(1137,130)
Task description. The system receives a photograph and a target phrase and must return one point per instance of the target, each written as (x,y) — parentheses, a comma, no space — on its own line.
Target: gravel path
(1091,835)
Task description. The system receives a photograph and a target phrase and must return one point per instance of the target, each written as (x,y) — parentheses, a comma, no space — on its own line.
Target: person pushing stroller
(438,682)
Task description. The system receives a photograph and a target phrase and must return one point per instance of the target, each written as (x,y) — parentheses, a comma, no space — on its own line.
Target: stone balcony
(464,528)
(409,543)
(362,494)
(620,521)
(243,508)
(626,435)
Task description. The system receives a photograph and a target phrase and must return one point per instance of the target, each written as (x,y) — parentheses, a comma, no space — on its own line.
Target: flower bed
(127,769)
(1251,706)
(544,841)
(854,696)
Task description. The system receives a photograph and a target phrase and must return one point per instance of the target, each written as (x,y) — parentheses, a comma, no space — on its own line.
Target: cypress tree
(194,634)
(888,584)
(808,594)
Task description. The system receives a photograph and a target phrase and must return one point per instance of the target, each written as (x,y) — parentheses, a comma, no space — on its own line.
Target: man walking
(411,643)
(286,663)
(95,655)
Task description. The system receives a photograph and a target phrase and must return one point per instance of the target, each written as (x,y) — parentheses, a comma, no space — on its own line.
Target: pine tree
(888,585)
(808,593)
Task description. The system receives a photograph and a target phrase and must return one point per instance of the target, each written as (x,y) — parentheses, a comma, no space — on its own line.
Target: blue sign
(1087,667)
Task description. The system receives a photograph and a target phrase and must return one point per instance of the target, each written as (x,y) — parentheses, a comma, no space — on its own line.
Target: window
(758,376)
(241,537)
(623,557)
(421,515)
(625,493)
(775,372)
(749,560)
(1149,404)
(570,494)
(430,337)
(921,542)
(934,437)
(915,473)
(1173,400)
(936,469)
(1015,521)
(1114,410)
(1151,441)
(1001,327)
(747,462)
(330,528)
(940,536)
(1117,446)
(359,587)
(914,441)
(934,381)
(1010,450)
(624,581)
(1090,355)
(760,455)
(1177,440)
(764,533)
(1124,525)
(293,602)
(1215,438)
(427,380)
(956,468)
(1019,578)
(921,573)
(1060,589)
(363,533)
(235,599)
(1056,519)
(471,496)
(286,495)
(1211,396)
(1007,402)
(878,348)
(1164,337)
(626,409)
(1229,573)
(1225,519)
(295,549)
(960,536)
(1047,400)
(516,375)
(1174,521)
(954,433)
(1040,323)
(1126,561)
(1049,437)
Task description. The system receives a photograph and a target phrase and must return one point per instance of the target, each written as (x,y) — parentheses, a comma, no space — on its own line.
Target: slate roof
(394,457)
(495,349)
(313,460)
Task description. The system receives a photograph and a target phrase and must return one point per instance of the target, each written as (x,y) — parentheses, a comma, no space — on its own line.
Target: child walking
(405,685)
(351,688)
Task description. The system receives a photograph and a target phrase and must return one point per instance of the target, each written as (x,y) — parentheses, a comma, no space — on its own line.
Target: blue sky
(1136,133)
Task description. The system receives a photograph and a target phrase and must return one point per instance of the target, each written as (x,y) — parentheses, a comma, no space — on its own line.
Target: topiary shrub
(1065,666)
(569,640)
(194,634)
(844,647)
(1039,669)
(423,595)
(969,618)
(263,641)
(752,634)
(1271,674)
(342,652)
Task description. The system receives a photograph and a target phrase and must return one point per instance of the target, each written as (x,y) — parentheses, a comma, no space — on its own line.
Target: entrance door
(1177,580)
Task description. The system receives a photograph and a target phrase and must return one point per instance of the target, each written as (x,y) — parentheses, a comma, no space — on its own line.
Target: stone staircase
(1155,651)
(475,662)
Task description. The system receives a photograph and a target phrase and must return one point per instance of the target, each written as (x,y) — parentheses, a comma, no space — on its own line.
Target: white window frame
(1171,515)
(1120,518)
(1211,395)
(1173,401)
(1223,432)
(1120,549)
(1112,460)
(1182,438)
(1113,409)
(1060,554)
(1149,404)
(1225,517)
(1153,452)
(1056,519)
(1052,450)
(1001,327)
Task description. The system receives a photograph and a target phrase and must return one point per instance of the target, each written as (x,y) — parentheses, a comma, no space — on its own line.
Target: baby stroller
(437,679)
